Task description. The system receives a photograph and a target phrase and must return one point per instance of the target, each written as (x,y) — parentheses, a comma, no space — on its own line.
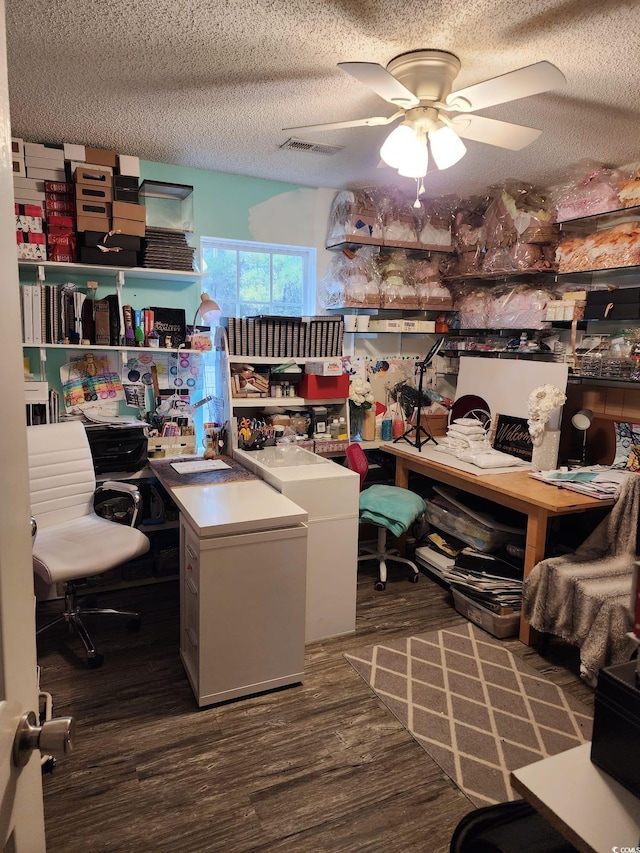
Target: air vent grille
(311,147)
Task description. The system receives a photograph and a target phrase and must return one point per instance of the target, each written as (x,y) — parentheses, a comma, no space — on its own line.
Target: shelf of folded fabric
(595,221)
(505,275)
(415,248)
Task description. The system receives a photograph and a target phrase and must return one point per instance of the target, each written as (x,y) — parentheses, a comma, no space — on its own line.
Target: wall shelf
(106,348)
(100,270)
(284,402)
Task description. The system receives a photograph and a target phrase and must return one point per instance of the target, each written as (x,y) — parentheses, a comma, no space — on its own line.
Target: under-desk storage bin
(473,532)
(501,626)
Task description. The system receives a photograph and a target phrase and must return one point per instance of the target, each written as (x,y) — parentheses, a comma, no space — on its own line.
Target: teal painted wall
(221,202)
(227,206)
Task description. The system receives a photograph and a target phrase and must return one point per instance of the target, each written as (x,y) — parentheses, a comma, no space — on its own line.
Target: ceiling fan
(433,117)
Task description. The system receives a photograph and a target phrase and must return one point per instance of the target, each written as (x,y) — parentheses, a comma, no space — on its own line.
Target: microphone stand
(418,428)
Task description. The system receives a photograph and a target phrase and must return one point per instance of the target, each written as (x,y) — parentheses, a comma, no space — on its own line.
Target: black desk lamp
(582,421)
(417,427)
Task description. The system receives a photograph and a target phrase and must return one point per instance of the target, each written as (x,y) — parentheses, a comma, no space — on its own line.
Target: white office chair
(72,541)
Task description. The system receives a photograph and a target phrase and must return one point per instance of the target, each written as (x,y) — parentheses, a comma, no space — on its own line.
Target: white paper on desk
(199,465)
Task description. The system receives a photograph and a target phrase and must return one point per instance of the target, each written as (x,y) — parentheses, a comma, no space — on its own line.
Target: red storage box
(314,387)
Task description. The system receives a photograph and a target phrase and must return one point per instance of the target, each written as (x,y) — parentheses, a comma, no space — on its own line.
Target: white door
(21,811)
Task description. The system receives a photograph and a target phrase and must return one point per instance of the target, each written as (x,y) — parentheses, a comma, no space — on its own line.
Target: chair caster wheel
(95,661)
(380,586)
(414,578)
(133,626)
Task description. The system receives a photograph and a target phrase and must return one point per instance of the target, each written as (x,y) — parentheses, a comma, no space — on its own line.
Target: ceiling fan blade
(521,83)
(372,121)
(381,82)
(493,132)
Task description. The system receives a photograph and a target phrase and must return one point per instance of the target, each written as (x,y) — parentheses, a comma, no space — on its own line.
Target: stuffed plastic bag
(589,188)
(352,280)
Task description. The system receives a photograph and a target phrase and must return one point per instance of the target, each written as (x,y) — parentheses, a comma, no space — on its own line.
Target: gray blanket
(585,597)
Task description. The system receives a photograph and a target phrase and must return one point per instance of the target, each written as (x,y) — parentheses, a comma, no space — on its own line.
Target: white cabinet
(330,494)
(243,552)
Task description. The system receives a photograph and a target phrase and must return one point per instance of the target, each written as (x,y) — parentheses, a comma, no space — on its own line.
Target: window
(258,278)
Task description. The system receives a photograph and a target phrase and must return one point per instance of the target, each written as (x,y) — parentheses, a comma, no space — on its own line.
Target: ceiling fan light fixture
(415,160)
(446,147)
(395,145)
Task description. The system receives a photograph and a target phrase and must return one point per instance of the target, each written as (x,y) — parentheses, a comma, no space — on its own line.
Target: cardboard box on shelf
(422,326)
(27,197)
(58,187)
(46,174)
(95,167)
(31,224)
(126,182)
(18,167)
(129,165)
(100,209)
(31,247)
(28,210)
(88,175)
(93,192)
(386,325)
(93,223)
(17,146)
(55,203)
(101,157)
(125,210)
(132,196)
(44,152)
(128,226)
(325,367)
(74,152)
(43,163)
(32,184)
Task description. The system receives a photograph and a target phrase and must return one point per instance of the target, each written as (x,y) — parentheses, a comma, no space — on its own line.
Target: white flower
(542,401)
(361,392)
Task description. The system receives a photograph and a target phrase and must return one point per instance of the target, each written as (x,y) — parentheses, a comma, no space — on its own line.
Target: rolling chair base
(72,615)
(381,554)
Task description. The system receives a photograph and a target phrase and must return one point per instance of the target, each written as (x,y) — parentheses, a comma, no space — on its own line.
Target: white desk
(243,555)
(593,811)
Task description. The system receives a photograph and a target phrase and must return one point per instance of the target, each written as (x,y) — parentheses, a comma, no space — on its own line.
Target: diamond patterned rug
(477,709)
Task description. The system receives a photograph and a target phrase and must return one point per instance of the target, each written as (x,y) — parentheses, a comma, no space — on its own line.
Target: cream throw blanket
(585,597)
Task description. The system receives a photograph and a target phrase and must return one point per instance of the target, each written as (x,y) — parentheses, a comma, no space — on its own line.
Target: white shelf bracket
(40,273)
(125,358)
(43,363)
(119,286)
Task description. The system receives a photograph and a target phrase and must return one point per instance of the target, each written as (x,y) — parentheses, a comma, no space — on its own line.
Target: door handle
(53,736)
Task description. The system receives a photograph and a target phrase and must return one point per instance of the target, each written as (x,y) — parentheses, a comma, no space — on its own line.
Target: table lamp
(210,313)
(582,421)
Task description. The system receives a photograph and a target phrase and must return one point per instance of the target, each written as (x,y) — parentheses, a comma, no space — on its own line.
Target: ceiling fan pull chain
(419,191)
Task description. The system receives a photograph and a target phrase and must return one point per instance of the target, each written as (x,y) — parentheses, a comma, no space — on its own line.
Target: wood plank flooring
(318,768)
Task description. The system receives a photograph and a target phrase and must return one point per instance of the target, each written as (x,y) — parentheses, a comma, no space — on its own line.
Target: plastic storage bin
(500,626)
(468,529)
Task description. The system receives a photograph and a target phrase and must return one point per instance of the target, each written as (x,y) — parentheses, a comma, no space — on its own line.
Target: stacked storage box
(30,233)
(44,163)
(60,211)
(29,207)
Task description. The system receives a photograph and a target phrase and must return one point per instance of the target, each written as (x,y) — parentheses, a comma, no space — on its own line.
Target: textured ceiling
(211,84)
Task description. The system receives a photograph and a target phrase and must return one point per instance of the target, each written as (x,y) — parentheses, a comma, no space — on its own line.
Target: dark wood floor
(320,767)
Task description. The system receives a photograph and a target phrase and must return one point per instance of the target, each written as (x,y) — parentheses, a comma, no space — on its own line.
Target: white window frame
(307,253)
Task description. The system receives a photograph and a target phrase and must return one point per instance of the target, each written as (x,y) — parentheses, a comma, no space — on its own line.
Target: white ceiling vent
(311,147)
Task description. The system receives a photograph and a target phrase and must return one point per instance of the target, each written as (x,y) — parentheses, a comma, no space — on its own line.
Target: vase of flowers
(542,402)
(361,399)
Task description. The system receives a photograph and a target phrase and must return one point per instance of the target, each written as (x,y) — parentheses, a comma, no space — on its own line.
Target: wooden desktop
(515,490)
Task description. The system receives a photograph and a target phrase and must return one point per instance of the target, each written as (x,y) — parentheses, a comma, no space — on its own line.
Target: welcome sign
(511,435)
